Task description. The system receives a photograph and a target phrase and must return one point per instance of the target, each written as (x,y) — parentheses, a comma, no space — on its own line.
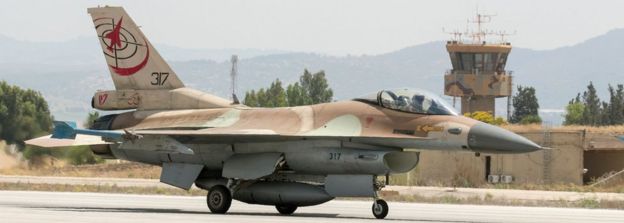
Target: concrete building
(602,154)
(576,157)
(478,75)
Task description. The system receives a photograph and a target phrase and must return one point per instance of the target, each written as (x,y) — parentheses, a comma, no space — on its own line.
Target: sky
(332,27)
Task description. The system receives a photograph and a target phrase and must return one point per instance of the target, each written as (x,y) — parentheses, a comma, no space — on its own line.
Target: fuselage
(307,151)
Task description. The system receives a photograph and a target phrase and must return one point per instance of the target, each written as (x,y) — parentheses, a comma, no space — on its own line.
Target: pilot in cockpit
(420,104)
(403,103)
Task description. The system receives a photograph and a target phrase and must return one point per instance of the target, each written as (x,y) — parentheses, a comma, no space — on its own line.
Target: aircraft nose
(486,137)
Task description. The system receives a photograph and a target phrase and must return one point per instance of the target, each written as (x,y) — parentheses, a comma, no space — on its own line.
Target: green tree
(262,98)
(588,109)
(251,99)
(593,107)
(311,89)
(91,117)
(615,109)
(276,95)
(24,114)
(574,113)
(525,106)
(296,95)
(315,87)
(604,116)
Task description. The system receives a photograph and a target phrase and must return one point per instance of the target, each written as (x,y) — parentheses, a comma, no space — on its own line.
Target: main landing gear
(219,199)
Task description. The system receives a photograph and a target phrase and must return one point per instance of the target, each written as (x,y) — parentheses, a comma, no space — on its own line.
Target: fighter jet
(286,157)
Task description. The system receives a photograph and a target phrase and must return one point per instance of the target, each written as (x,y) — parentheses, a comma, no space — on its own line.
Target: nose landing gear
(380,209)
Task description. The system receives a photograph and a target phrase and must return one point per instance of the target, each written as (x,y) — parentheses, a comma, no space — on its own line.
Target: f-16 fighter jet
(286,157)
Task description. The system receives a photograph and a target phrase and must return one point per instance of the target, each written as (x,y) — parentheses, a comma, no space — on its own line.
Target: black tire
(286,209)
(219,199)
(380,209)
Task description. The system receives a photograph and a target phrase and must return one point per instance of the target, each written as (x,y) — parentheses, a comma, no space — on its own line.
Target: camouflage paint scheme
(497,85)
(460,82)
(288,157)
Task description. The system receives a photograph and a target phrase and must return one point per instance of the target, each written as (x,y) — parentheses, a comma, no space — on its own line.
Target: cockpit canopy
(410,100)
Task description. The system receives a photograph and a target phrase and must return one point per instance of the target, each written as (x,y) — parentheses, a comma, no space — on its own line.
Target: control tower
(478,76)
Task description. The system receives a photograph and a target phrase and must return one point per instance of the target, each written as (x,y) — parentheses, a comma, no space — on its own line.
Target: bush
(81,155)
(531,119)
(486,117)
(73,155)
(31,152)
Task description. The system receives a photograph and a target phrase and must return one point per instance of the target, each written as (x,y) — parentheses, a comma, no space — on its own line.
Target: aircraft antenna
(233,76)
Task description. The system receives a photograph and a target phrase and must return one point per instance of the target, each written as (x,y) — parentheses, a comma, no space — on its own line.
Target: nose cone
(489,138)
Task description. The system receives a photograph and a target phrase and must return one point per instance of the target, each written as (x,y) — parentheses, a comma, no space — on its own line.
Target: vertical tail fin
(132,60)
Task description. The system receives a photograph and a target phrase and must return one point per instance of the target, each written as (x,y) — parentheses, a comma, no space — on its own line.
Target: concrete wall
(562,164)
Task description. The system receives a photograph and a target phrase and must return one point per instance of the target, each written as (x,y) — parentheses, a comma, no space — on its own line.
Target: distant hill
(68,72)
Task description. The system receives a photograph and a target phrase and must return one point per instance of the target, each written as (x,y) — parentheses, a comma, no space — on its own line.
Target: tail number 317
(334,156)
(159,78)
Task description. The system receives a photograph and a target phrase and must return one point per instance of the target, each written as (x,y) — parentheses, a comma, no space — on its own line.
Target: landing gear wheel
(286,209)
(380,209)
(219,199)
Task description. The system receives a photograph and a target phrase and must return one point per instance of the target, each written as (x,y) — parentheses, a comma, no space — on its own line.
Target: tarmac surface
(528,195)
(34,206)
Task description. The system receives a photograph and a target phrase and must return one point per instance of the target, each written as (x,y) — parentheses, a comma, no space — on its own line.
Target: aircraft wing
(67,134)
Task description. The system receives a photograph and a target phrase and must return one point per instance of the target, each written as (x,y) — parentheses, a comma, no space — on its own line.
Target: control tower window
(480,62)
(489,61)
(467,61)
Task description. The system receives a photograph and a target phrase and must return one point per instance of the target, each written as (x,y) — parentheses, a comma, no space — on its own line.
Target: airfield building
(478,75)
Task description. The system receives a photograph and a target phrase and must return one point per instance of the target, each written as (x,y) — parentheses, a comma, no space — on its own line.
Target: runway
(433,192)
(28,206)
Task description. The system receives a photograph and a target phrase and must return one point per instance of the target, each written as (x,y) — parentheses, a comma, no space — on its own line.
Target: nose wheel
(380,209)
(219,199)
